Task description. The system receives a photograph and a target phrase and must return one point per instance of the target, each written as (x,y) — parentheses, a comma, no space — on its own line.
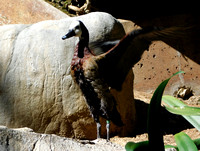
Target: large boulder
(27,12)
(36,88)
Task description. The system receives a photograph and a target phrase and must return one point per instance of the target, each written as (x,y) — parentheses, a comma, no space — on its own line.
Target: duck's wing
(116,63)
(100,47)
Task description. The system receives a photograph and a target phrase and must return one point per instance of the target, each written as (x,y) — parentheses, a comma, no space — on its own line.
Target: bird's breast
(80,67)
(76,68)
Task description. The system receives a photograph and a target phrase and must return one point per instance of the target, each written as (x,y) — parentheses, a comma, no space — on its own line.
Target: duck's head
(77,29)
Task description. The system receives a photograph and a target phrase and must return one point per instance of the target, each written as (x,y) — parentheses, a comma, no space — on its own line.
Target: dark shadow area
(140,10)
(170,123)
(84,142)
(165,14)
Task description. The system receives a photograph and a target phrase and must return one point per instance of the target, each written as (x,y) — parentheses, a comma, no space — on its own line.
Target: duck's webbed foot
(108,130)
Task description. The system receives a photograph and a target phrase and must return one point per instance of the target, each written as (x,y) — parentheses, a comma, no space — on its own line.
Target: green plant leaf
(154,131)
(185,110)
(140,146)
(171,146)
(155,142)
(172,101)
(197,142)
(178,107)
(184,142)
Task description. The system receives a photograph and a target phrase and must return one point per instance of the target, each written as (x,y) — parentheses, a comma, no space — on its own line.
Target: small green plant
(191,114)
(155,137)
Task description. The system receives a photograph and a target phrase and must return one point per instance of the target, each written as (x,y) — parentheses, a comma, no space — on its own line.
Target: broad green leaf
(172,101)
(184,142)
(171,146)
(131,146)
(189,115)
(154,130)
(197,142)
(194,120)
(185,110)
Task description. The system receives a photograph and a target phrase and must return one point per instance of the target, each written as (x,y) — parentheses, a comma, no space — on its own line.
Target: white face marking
(75,26)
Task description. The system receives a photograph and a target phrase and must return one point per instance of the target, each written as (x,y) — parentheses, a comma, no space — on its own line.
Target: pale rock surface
(25,139)
(27,12)
(36,89)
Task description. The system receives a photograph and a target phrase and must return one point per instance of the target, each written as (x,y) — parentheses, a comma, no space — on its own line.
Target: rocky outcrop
(24,139)
(162,60)
(27,12)
(36,88)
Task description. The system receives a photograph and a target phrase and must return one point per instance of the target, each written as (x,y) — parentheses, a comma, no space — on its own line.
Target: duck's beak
(71,33)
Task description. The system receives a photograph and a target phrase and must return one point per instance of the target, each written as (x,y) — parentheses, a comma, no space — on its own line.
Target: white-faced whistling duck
(96,74)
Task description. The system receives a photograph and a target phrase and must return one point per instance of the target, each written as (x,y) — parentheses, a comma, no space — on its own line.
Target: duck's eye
(77,27)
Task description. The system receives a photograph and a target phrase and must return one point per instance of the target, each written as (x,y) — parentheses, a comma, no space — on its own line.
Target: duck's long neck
(81,47)
(83,43)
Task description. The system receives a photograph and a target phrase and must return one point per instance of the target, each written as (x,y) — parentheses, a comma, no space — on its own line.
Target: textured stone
(159,63)
(36,88)
(25,139)
(27,12)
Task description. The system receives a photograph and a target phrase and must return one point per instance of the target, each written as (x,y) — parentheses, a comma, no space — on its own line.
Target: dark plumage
(95,74)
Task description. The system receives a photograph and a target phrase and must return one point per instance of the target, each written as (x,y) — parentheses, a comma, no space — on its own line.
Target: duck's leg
(98,128)
(108,129)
